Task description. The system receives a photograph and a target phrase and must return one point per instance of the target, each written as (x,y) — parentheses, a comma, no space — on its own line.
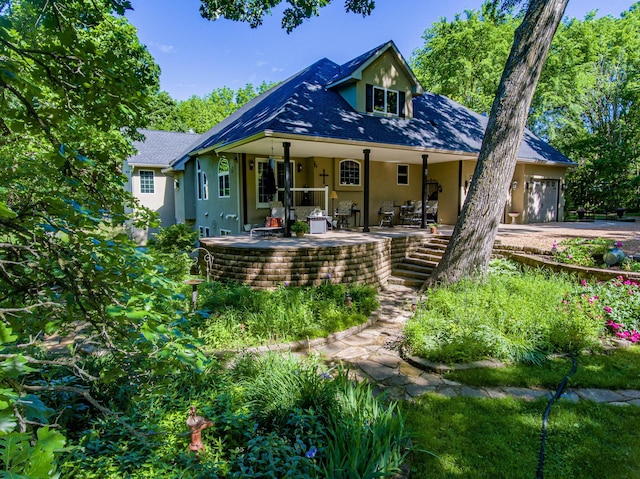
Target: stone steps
(414,270)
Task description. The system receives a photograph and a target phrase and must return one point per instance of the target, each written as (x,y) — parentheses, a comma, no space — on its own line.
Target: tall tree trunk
(469,250)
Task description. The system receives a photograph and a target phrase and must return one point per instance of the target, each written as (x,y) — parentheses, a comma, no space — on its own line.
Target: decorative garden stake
(194,290)
(196,425)
(348,300)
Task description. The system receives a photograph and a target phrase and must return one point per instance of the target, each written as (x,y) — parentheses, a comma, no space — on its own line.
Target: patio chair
(431,212)
(343,214)
(415,217)
(386,213)
(274,224)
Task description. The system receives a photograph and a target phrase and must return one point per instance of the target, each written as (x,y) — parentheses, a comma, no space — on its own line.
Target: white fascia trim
(221,147)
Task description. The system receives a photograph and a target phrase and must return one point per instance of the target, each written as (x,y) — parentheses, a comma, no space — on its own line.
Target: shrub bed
(234,316)
(511,315)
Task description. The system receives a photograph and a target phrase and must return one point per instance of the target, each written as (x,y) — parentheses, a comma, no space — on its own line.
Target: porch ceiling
(328,148)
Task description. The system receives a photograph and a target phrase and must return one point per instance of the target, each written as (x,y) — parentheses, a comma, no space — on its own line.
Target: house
(148,178)
(364,130)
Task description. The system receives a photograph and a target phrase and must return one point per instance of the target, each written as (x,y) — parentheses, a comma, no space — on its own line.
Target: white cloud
(261,63)
(163,47)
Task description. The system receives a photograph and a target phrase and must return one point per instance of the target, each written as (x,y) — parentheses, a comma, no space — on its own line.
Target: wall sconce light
(514,185)
(177,184)
(439,188)
(299,167)
(563,186)
(526,186)
(251,164)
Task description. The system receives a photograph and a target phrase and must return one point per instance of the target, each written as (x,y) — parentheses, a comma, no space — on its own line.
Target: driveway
(542,235)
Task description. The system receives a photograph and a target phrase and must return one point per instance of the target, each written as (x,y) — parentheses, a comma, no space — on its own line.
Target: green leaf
(8,421)
(16,366)
(6,212)
(50,440)
(6,335)
(35,409)
(136,314)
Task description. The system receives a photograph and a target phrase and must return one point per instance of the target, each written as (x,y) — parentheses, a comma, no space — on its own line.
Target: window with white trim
(385,100)
(266,181)
(403,174)
(224,184)
(147,184)
(203,186)
(349,173)
(225,232)
(204,231)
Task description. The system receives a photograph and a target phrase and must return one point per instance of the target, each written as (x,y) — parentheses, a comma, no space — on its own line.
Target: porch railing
(308,197)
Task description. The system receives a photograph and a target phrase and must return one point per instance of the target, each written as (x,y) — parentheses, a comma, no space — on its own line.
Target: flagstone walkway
(373,355)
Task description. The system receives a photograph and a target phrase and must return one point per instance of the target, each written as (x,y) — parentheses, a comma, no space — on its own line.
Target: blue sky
(197,56)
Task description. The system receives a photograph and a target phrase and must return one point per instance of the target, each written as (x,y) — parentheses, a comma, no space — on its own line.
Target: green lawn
(500,438)
(618,369)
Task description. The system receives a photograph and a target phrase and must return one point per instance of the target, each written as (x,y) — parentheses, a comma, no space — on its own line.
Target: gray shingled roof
(161,148)
(303,105)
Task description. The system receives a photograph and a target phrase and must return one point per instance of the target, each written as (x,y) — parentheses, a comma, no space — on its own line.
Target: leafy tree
(165,113)
(463,59)
(583,101)
(199,114)
(594,115)
(470,247)
(75,85)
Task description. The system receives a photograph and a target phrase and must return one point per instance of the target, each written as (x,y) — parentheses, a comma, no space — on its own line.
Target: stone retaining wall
(601,274)
(269,266)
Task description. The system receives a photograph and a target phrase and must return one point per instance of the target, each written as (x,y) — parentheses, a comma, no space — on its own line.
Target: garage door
(543,201)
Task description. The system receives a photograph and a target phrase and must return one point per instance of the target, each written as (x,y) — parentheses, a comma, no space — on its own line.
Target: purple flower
(618,244)
(607,309)
(311,453)
(615,326)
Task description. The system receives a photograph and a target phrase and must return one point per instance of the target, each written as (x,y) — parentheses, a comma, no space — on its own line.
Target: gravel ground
(542,235)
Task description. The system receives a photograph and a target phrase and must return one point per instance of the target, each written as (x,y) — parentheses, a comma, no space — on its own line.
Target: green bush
(512,317)
(273,416)
(582,252)
(178,238)
(234,316)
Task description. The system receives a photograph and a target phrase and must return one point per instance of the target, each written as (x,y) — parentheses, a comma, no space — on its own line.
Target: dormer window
(385,101)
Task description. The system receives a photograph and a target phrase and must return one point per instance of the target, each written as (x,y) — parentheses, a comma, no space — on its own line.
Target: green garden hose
(555,397)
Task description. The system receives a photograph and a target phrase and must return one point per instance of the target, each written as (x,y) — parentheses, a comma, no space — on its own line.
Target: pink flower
(623,334)
(607,309)
(569,256)
(615,326)
(583,282)
(618,244)
(635,337)
(593,299)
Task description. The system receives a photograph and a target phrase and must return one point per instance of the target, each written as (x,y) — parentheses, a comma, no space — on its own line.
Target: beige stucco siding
(385,72)
(162,200)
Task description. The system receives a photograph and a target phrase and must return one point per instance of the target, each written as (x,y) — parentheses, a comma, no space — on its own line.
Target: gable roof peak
(352,70)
